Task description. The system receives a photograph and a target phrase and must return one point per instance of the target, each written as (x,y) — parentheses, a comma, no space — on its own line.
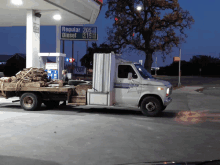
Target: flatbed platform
(33,94)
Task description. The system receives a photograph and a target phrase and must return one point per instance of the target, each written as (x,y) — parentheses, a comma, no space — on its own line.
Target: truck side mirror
(130,76)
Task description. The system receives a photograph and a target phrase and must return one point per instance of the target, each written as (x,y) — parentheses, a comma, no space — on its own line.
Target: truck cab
(118,82)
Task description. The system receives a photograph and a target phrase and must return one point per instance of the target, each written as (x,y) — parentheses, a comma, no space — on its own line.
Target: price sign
(84,33)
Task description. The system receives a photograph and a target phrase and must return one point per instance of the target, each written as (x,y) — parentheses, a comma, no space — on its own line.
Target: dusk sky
(203,37)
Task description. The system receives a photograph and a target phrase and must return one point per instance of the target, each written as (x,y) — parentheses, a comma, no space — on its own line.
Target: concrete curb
(189,89)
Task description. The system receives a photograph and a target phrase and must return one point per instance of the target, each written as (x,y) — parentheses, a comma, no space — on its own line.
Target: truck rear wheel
(151,106)
(30,101)
(51,104)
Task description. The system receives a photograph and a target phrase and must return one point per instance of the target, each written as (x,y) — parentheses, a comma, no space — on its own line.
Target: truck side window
(123,71)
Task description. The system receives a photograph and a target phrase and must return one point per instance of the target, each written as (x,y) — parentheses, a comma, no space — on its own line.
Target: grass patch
(199,90)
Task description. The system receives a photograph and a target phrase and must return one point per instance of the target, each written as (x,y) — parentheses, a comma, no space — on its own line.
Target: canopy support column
(32,40)
(59,59)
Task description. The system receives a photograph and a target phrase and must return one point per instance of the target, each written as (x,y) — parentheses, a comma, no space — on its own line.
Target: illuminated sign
(79,33)
(176,59)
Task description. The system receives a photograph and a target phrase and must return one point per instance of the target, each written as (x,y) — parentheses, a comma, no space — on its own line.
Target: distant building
(15,63)
(4,58)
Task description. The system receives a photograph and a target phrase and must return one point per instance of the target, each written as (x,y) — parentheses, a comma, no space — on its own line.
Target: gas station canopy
(72,12)
(35,13)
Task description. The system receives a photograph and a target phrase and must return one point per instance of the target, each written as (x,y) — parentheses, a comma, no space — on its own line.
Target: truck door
(127,93)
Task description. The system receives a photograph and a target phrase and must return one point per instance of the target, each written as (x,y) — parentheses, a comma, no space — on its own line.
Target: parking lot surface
(187,130)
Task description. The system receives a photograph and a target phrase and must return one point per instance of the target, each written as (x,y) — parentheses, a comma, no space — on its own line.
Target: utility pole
(63,46)
(87,52)
(87,47)
(63,51)
(156,66)
(179,70)
(77,58)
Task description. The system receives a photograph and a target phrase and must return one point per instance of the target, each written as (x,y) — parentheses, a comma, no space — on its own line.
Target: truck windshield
(143,72)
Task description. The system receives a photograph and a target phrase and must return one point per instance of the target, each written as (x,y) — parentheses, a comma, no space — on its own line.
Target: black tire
(163,108)
(153,104)
(52,104)
(30,101)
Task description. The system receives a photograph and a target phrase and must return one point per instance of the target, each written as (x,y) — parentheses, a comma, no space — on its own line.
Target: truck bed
(75,95)
(32,87)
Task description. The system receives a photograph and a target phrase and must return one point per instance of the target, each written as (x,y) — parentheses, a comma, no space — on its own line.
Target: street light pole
(179,70)
(72,57)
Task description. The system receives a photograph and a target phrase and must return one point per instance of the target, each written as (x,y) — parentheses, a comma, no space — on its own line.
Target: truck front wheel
(151,106)
(30,101)
(164,107)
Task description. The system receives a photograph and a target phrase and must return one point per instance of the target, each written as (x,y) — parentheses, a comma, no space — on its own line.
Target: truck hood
(153,81)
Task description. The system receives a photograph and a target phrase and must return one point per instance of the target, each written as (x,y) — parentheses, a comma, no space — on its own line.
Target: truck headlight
(160,88)
(168,91)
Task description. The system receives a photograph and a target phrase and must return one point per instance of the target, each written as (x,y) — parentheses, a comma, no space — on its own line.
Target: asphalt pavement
(103,136)
(187,130)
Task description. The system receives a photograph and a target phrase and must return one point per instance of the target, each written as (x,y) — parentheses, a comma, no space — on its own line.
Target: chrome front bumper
(167,101)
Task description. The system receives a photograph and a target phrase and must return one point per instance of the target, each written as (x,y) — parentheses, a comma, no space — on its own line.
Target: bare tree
(147,25)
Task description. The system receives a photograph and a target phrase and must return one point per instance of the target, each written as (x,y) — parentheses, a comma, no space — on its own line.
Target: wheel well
(153,95)
(37,93)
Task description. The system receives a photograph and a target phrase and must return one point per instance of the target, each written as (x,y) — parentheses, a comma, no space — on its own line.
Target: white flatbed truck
(116,82)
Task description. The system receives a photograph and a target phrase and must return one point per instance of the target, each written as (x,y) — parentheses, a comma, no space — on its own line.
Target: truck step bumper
(167,101)
(15,101)
(76,104)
